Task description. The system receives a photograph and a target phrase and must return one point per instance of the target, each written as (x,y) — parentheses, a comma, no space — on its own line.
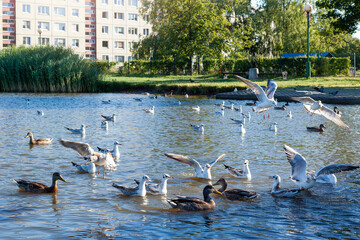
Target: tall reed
(46,69)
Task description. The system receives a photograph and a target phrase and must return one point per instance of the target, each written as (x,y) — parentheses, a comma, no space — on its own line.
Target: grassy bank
(209,84)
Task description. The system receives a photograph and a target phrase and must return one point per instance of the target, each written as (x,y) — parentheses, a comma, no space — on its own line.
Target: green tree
(346,13)
(185,29)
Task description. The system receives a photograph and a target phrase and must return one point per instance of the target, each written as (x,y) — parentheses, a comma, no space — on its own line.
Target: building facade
(96,29)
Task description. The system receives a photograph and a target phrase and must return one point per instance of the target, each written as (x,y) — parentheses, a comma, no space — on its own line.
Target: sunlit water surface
(89,207)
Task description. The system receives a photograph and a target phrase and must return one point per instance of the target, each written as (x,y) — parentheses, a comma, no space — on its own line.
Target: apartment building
(96,29)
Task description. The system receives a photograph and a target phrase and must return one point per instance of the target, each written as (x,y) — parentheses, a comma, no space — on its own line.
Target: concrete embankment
(330,95)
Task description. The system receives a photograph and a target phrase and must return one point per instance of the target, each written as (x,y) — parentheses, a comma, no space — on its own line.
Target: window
(133,16)
(60,26)
(90,26)
(105,29)
(105,44)
(105,15)
(11,38)
(146,31)
(104,1)
(105,57)
(44,26)
(26,8)
(87,11)
(119,59)
(75,42)
(133,31)
(90,56)
(119,2)
(59,42)
(133,3)
(44,10)
(130,58)
(75,28)
(91,19)
(9,21)
(90,41)
(75,0)
(8,13)
(75,12)
(44,41)
(119,44)
(119,30)
(146,18)
(89,4)
(26,24)
(89,34)
(118,15)
(6,29)
(131,45)
(8,5)
(59,11)
(26,40)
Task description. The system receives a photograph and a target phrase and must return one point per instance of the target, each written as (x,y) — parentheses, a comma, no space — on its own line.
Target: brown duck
(319,129)
(40,141)
(36,187)
(235,194)
(195,204)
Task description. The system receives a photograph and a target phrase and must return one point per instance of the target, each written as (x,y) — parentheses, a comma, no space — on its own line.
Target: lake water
(88,207)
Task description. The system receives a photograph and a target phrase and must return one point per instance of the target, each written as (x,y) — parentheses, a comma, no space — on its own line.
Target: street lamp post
(308,9)
(40,32)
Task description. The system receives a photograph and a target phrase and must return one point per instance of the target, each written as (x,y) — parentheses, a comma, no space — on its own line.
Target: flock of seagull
(107,158)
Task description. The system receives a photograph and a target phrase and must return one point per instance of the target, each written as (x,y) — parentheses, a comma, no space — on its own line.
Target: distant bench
(283,74)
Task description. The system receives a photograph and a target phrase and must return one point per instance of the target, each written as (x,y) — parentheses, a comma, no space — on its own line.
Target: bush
(104,66)
(46,69)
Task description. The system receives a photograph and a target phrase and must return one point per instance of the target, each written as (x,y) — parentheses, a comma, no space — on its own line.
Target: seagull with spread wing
(200,172)
(317,108)
(266,98)
(307,180)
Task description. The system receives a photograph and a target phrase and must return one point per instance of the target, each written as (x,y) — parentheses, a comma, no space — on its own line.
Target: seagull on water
(266,98)
(110,118)
(307,180)
(273,127)
(200,172)
(198,127)
(78,131)
(222,112)
(140,190)
(240,173)
(156,188)
(289,115)
(196,109)
(242,129)
(151,110)
(317,108)
(105,125)
(40,112)
(277,191)
(88,167)
(115,152)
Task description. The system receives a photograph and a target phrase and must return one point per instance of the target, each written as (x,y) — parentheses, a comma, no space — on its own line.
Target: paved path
(350,95)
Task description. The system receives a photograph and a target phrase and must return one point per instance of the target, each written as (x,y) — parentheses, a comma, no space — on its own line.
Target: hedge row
(294,66)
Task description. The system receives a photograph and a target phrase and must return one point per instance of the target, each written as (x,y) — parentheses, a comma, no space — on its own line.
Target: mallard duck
(195,204)
(140,190)
(155,188)
(283,108)
(199,171)
(319,129)
(240,173)
(110,118)
(151,110)
(77,130)
(36,187)
(277,191)
(337,111)
(40,141)
(234,194)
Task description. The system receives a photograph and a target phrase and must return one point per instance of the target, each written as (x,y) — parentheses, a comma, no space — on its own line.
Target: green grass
(210,84)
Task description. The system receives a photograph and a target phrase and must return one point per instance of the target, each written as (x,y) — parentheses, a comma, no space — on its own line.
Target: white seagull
(115,152)
(198,127)
(110,118)
(266,99)
(317,108)
(307,180)
(273,127)
(222,112)
(140,190)
(78,131)
(289,115)
(242,129)
(240,173)
(200,172)
(151,110)
(88,167)
(105,125)
(196,109)
(277,191)
(156,188)
(40,112)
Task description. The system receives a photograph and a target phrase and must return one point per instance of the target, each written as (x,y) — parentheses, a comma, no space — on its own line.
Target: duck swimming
(36,187)
(195,204)
(319,129)
(40,141)
(234,194)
